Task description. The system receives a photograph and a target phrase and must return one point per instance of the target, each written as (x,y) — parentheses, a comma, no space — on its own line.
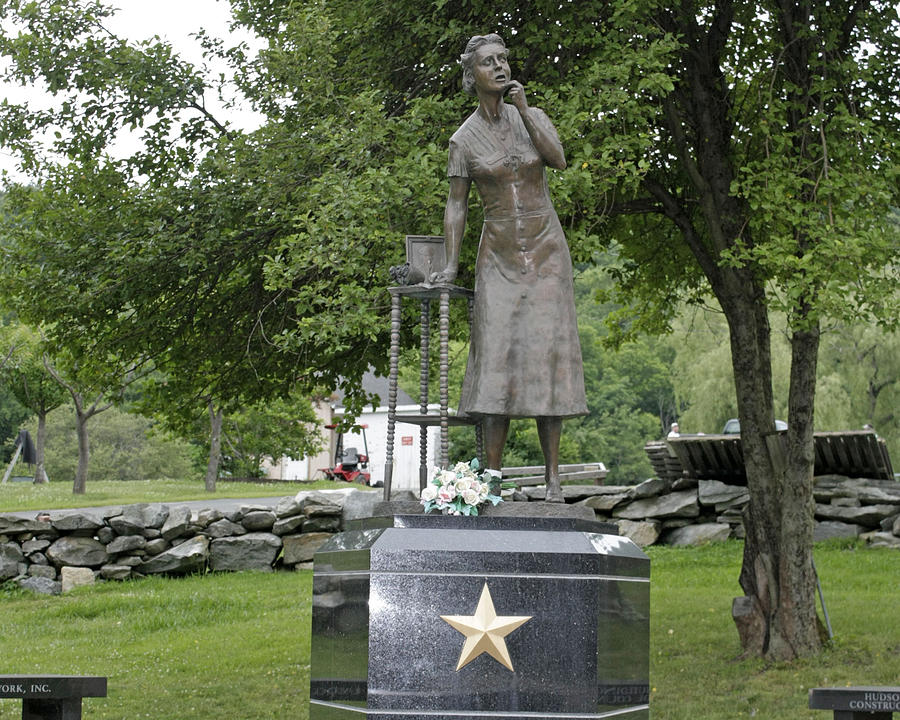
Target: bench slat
(870,702)
(511,472)
(563,477)
(51,687)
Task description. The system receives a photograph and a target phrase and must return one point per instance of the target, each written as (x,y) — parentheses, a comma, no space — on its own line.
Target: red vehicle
(350,465)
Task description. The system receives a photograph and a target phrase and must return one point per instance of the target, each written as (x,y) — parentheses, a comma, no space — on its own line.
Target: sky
(172,20)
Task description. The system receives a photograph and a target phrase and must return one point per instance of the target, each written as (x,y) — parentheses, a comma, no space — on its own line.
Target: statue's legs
(495,428)
(549,431)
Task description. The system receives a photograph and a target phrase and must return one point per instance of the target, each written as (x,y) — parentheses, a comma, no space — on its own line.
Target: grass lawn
(236,646)
(27,496)
(228,646)
(694,672)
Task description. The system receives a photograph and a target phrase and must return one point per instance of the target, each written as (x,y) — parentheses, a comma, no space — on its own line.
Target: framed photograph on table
(425,254)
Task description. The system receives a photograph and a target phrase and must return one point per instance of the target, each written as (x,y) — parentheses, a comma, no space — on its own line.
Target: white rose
(470,497)
(430,493)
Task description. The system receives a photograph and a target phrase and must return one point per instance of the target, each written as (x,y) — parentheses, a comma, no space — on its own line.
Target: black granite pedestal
(440,617)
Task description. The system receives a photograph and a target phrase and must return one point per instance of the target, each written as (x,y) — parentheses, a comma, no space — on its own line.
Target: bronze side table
(425,294)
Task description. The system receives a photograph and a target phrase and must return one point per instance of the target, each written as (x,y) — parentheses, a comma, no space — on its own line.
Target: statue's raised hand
(515,94)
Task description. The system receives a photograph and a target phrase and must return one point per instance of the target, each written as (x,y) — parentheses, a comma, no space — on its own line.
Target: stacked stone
(691,512)
(23,553)
(868,509)
(138,540)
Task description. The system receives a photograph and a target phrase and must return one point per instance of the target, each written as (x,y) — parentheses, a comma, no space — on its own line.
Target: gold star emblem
(485,631)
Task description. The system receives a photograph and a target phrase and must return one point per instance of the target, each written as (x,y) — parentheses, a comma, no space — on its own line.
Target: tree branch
(231,134)
(673,210)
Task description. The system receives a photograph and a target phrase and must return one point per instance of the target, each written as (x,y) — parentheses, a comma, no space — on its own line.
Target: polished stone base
(504,509)
(548,618)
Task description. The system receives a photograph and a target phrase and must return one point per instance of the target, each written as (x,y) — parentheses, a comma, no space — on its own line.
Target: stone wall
(138,540)
(689,512)
(65,549)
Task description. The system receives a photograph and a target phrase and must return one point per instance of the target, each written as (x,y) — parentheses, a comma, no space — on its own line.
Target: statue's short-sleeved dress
(524,354)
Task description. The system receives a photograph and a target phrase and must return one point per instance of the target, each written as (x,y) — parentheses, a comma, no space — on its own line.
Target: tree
(125,446)
(774,162)
(269,430)
(158,259)
(249,429)
(12,412)
(12,416)
(259,240)
(863,361)
(32,385)
(215,446)
(765,166)
(91,395)
(630,391)
(856,384)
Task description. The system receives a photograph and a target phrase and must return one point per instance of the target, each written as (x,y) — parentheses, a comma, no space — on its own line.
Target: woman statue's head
(467,59)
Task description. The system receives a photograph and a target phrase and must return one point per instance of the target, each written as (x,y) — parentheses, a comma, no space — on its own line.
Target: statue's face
(491,69)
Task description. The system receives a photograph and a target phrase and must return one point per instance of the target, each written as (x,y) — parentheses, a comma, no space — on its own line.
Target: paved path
(211,503)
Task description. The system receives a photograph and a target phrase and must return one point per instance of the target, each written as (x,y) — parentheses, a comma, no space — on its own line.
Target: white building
(406,440)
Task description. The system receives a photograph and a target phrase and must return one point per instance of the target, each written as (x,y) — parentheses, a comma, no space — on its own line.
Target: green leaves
(24,373)
(248,263)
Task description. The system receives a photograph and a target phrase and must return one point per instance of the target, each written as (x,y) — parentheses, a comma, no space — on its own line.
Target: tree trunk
(84,450)
(40,475)
(215,446)
(799,619)
(776,619)
(82,416)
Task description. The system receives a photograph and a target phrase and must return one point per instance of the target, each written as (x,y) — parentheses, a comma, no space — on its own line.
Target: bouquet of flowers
(463,489)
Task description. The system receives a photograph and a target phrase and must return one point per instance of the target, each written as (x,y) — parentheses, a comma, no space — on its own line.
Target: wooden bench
(857,703)
(857,453)
(854,453)
(664,461)
(526,475)
(51,697)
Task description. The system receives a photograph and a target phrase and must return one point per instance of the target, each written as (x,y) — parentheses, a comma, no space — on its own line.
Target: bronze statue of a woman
(524,355)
